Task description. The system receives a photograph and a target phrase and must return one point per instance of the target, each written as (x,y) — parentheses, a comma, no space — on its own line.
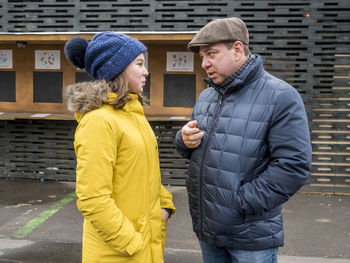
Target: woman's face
(136,74)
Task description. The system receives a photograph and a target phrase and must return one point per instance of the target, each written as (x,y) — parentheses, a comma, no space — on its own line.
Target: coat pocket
(140,225)
(163,233)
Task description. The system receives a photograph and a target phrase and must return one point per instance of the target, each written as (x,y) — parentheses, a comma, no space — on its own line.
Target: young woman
(118,183)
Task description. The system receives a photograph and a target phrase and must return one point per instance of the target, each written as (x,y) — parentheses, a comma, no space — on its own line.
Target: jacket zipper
(202,163)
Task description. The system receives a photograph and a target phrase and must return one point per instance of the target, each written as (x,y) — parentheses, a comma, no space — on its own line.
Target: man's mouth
(211,74)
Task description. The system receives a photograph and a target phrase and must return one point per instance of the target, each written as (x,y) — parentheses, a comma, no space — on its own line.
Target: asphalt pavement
(39,223)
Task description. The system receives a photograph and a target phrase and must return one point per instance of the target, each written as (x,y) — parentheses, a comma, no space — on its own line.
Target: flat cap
(219,31)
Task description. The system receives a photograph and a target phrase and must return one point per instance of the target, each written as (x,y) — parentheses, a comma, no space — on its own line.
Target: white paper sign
(179,61)
(6,59)
(40,115)
(47,59)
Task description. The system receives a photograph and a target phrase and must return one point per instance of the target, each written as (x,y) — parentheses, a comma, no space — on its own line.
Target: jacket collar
(132,105)
(249,71)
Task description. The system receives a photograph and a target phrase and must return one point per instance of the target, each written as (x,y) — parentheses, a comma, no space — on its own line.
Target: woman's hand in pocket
(165,215)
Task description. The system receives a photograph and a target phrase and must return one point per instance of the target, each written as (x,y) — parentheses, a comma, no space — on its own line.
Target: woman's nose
(145,72)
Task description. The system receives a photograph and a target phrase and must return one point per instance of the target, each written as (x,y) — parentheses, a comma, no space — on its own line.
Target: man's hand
(191,135)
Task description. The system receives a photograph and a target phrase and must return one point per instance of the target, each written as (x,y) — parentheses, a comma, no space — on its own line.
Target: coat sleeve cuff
(135,244)
(170,211)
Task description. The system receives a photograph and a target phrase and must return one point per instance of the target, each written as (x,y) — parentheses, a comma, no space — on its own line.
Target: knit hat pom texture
(75,51)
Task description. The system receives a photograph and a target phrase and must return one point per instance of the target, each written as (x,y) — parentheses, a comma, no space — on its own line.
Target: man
(249,146)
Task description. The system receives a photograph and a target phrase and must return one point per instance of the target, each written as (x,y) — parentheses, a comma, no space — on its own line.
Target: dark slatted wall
(329,107)
(173,167)
(330,129)
(43,149)
(306,43)
(37,149)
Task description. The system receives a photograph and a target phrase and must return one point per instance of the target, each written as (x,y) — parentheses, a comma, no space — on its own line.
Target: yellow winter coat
(118,185)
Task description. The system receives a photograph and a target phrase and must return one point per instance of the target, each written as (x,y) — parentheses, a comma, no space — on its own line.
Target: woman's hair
(120,86)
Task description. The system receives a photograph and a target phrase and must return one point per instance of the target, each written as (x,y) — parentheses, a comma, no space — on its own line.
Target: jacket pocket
(163,233)
(140,225)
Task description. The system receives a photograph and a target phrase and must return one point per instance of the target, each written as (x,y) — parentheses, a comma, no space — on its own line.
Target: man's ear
(238,49)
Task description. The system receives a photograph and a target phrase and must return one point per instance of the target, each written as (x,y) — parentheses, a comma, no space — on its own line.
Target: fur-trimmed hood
(86,96)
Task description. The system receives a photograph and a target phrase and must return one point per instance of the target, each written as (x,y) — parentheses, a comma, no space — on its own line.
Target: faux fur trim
(86,96)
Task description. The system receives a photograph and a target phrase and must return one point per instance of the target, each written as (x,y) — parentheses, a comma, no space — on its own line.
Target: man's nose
(205,63)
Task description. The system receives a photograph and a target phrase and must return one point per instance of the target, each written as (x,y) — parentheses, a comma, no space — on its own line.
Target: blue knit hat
(106,56)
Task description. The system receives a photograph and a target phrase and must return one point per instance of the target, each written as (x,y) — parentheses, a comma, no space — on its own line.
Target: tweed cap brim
(220,31)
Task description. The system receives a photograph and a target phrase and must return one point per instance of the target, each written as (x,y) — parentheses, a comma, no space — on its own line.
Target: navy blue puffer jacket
(254,156)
